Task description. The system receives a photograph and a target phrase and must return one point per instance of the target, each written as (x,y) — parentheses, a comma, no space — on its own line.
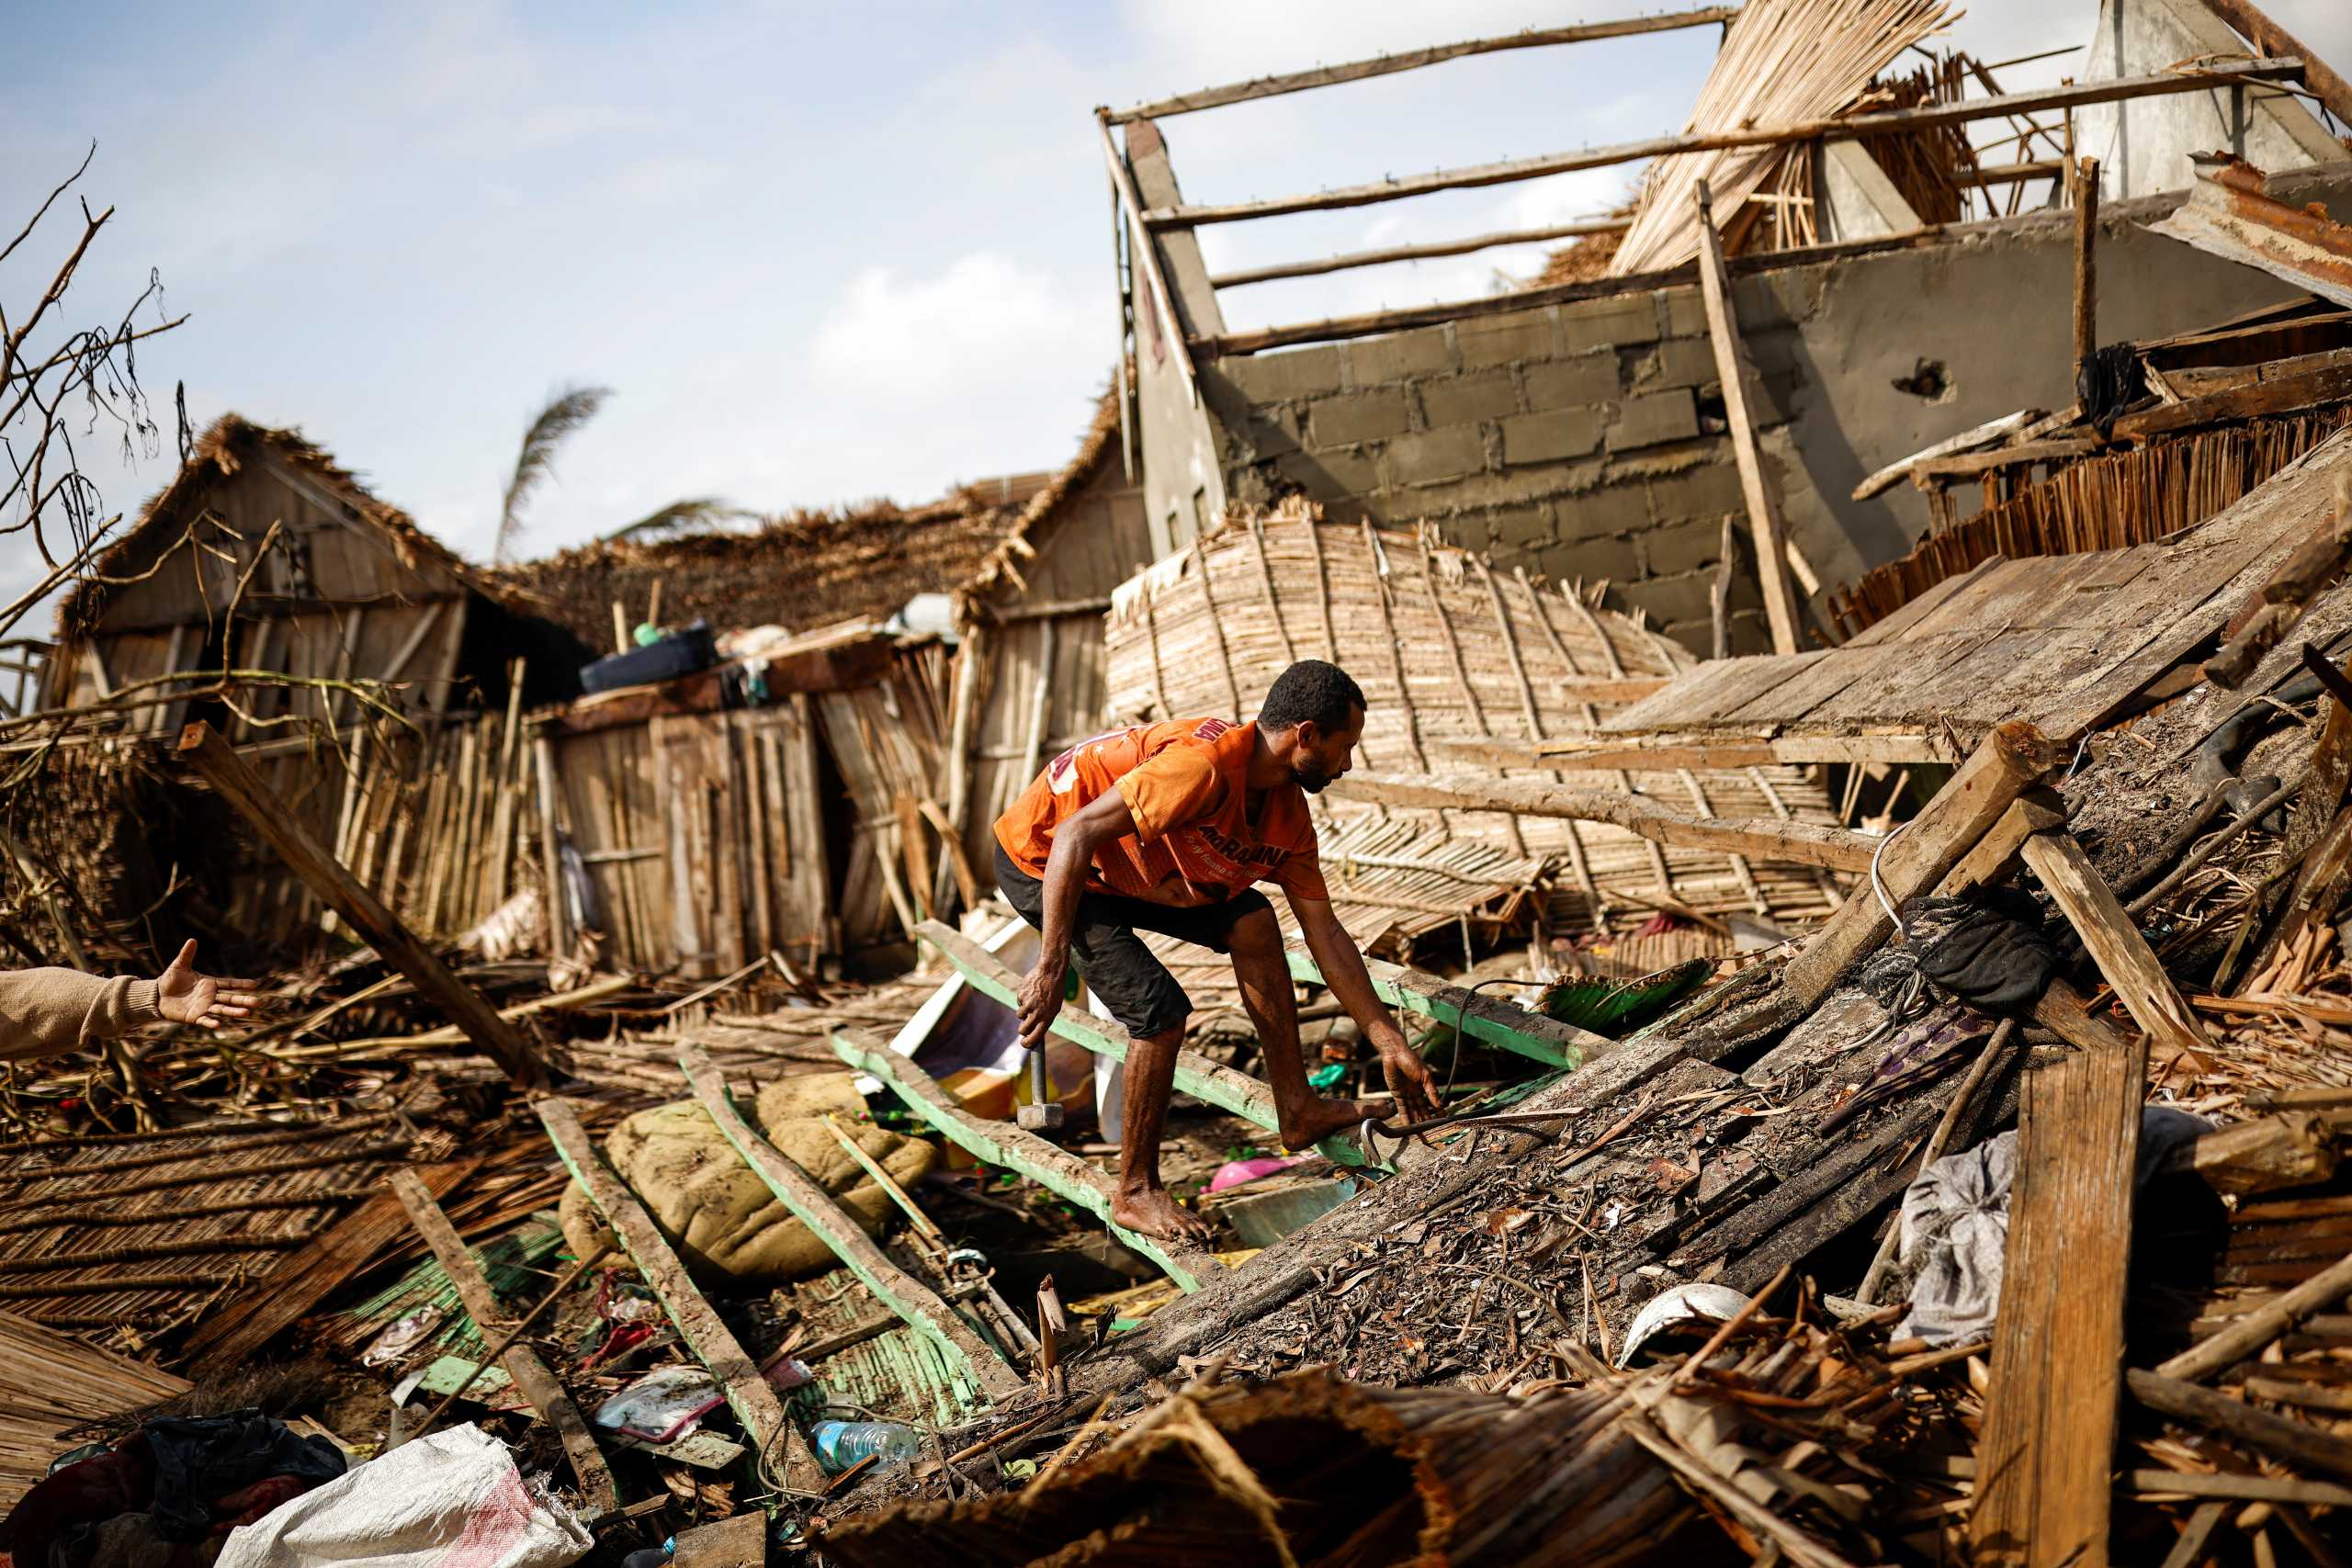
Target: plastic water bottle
(841,1444)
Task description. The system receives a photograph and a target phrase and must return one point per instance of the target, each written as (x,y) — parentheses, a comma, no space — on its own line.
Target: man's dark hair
(1311,691)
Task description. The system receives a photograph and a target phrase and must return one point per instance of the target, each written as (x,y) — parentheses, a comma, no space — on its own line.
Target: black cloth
(200,1457)
(2106,383)
(1137,989)
(1986,950)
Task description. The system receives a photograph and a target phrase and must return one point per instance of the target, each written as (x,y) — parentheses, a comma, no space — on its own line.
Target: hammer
(1043,1113)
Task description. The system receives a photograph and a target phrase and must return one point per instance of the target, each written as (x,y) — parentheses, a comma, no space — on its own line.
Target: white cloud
(979,322)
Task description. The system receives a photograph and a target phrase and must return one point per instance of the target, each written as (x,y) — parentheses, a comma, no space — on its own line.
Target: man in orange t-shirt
(1166,828)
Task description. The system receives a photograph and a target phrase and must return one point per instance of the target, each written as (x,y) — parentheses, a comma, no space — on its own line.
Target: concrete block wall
(1582,441)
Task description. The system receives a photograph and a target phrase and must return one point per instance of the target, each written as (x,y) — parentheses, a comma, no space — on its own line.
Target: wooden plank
(1482,1017)
(1009,1147)
(2297,1444)
(234,780)
(1732,369)
(2011,759)
(1834,129)
(1413,60)
(2115,943)
(234,1331)
(522,1363)
(739,1542)
(1142,249)
(1462,246)
(1702,754)
(913,1301)
(749,1394)
(1195,1074)
(2048,1445)
(1967,440)
(1803,843)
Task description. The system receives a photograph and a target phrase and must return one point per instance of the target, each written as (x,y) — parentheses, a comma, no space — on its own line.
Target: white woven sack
(450,1499)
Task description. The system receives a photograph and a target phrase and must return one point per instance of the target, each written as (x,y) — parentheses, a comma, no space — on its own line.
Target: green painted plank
(1009,1148)
(1195,1075)
(979,1364)
(1490,1018)
(749,1394)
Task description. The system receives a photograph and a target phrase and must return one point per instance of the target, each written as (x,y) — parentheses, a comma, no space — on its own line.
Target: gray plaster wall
(2143,145)
(1586,440)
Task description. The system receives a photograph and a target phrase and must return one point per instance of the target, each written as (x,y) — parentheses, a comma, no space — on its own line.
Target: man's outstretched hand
(1040,1001)
(1408,1080)
(185,997)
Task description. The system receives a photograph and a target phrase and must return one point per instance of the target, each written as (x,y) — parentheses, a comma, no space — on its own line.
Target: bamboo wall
(887,739)
(1045,685)
(703,838)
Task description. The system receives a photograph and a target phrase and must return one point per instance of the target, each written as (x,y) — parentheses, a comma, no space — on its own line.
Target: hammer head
(1043,1113)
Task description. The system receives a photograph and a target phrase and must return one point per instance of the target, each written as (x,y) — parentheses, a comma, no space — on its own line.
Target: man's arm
(1102,821)
(1343,972)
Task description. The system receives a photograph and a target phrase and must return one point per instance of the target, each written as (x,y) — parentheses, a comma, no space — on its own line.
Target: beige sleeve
(47,1012)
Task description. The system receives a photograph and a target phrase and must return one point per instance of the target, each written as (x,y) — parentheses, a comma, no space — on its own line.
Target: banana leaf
(1617,1007)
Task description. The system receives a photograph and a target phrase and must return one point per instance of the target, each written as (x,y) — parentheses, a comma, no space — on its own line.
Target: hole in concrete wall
(1927,380)
(1710,402)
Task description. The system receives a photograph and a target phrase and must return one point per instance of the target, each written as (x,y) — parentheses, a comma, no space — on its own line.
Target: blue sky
(822,252)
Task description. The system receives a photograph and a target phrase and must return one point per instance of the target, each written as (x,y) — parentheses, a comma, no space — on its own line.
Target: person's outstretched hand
(185,997)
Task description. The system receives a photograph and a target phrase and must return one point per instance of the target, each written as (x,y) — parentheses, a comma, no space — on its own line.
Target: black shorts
(1137,989)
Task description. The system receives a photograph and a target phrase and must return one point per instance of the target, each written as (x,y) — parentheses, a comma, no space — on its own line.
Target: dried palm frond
(686,517)
(556,424)
(1783,62)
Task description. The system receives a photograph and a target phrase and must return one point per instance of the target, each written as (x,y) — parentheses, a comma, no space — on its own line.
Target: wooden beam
(1633,753)
(1413,60)
(2330,384)
(2268,37)
(1732,369)
(1009,1147)
(1971,464)
(1145,252)
(1803,843)
(2086,184)
(280,827)
(957,1343)
(234,1331)
(2115,943)
(749,1394)
(2297,1444)
(1995,855)
(1929,117)
(522,1363)
(1966,441)
(2247,1336)
(1464,246)
(1610,689)
(2012,760)
(2044,1463)
(1195,1074)
(1480,1016)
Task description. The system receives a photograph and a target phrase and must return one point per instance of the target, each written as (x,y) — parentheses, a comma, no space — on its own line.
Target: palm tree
(565,413)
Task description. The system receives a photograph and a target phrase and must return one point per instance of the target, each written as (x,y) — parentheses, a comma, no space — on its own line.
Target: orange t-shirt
(1186,782)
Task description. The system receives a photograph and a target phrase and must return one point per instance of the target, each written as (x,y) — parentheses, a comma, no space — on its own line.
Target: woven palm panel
(1447,649)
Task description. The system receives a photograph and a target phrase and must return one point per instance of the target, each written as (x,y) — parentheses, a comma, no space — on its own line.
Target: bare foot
(1304,1128)
(1153,1212)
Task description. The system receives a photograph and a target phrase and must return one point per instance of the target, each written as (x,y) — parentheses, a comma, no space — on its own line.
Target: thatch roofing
(813,568)
(224,448)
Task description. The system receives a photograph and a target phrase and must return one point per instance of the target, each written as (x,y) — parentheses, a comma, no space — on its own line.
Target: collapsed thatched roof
(813,568)
(224,448)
